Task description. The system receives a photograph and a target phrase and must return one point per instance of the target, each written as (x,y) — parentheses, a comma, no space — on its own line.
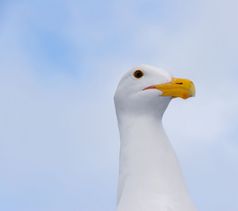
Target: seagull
(150,178)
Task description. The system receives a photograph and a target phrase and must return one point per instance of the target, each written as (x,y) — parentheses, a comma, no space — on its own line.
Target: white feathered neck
(150,178)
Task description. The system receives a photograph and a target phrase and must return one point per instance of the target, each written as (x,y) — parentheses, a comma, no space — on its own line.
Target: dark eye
(138,74)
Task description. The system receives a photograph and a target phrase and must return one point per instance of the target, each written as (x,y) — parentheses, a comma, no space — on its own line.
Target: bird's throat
(148,165)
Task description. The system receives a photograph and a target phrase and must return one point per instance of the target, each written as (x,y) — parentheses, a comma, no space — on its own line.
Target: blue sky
(60,64)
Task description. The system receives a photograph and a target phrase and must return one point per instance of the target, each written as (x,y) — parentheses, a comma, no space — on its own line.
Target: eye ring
(138,74)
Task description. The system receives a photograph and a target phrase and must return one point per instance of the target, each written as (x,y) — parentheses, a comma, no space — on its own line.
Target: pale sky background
(60,62)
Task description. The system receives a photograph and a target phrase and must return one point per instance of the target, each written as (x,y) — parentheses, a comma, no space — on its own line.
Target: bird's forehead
(149,72)
(149,69)
(151,75)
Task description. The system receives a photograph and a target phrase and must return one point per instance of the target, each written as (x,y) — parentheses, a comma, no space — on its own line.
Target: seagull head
(148,90)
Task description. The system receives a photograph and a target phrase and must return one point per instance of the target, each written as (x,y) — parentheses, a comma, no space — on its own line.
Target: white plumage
(150,178)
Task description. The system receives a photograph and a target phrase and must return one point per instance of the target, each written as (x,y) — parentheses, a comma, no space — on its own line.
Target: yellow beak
(178,87)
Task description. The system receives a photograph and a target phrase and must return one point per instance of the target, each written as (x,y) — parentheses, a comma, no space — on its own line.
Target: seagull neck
(148,165)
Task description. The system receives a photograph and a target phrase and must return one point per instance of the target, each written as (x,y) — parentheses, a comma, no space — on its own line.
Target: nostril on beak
(180,83)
